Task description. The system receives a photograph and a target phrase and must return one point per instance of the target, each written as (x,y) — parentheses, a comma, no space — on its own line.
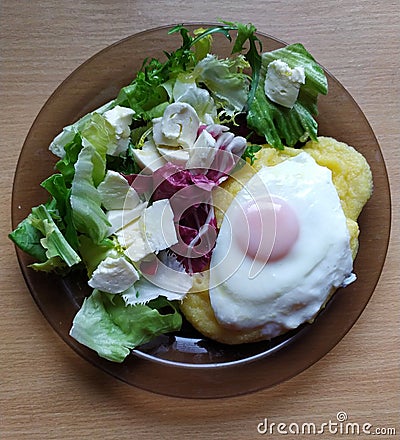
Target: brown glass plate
(186,364)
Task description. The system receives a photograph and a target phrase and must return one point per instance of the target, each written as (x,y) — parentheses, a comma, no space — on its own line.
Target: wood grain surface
(46,390)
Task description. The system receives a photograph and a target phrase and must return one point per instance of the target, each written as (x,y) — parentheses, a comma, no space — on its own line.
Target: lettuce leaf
(53,264)
(93,254)
(108,326)
(186,90)
(66,165)
(225,79)
(87,215)
(247,32)
(99,134)
(27,238)
(53,240)
(40,236)
(57,187)
(68,133)
(280,125)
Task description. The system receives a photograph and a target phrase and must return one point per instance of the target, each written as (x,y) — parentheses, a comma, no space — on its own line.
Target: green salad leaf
(40,236)
(53,240)
(27,238)
(146,91)
(225,79)
(250,153)
(66,165)
(57,146)
(278,123)
(105,324)
(99,134)
(246,32)
(57,187)
(93,254)
(87,215)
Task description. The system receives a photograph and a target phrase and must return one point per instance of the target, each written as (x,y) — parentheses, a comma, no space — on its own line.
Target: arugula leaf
(247,32)
(250,153)
(189,42)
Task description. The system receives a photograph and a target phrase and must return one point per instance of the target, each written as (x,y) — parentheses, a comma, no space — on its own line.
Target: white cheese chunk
(177,127)
(170,280)
(133,237)
(203,152)
(282,84)
(177,156)
(113,275)
(148,158)
(116,193)
(120,118)
(158,225)
(121,217)
(152,232)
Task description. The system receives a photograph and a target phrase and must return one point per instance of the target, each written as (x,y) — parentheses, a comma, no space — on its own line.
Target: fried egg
(256,292)
(283,245)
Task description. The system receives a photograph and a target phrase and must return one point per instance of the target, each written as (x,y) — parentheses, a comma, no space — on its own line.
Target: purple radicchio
(190,194)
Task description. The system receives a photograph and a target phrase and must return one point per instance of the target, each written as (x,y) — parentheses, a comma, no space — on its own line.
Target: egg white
(283,294)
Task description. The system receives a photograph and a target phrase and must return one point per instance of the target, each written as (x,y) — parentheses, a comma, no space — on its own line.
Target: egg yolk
(272,229)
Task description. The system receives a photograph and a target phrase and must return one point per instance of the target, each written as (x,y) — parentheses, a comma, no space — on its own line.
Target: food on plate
(293,290)
(203,190)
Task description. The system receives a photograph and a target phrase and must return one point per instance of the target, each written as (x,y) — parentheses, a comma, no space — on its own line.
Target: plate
(187,364)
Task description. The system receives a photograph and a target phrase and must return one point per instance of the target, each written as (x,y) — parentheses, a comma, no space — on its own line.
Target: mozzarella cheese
(120,118)
(158,225)
(203,152)
(113,275)
(116,193)
(169,280)
(177,127)
(177,156)
(148,157)
(118,218)
(282,84)
(133,238)
(153,231)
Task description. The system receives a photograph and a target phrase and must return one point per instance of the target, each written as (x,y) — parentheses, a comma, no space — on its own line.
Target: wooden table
(48,391)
